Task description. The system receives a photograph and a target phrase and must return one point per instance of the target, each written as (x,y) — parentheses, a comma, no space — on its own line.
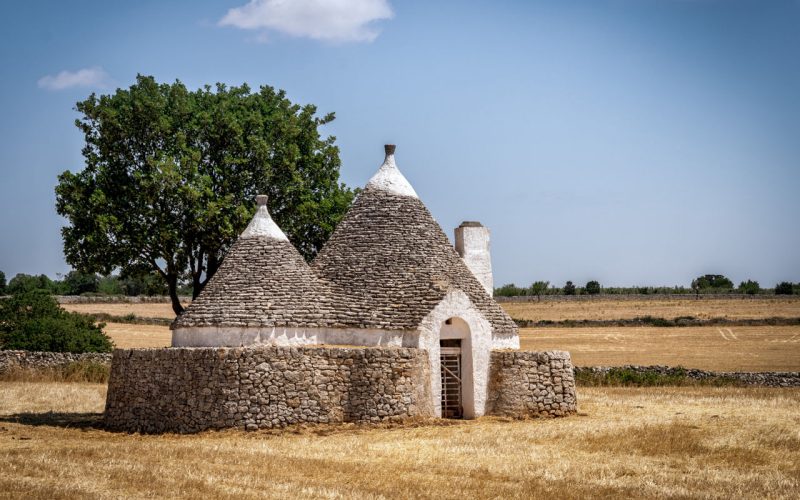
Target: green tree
(711,281)
(77,283)
(2,283)
(749,287)
(538,288)
(27,283)
(110,285)
(171,177)
(33,321)
(569,288)
(593,287)
(508,290)
(784,288)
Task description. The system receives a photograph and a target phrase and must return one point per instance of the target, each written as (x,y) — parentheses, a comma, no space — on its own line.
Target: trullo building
(387,281)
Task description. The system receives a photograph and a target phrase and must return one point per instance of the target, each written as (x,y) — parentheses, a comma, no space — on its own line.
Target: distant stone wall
(531,384)
(38,360)
(115,299)
(761,379)
(192,389)
(643,296)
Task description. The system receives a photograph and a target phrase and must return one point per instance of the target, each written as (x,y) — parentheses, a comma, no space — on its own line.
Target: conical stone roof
(262,282)
(392,263)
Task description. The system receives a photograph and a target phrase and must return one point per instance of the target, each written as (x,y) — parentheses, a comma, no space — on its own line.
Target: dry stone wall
(760,379)
(43,360)
(531,384)
(192,389)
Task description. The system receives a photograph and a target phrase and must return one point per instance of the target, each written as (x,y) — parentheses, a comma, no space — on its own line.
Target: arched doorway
(455,363)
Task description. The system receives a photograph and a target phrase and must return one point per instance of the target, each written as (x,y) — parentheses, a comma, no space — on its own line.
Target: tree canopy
(33,321)
(716,281)
(171,176)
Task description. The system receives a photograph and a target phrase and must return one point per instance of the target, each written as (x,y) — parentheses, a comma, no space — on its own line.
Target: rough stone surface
(763,379)
(192,389)
(531,384)
(394,265)
(36,360)
(263,282)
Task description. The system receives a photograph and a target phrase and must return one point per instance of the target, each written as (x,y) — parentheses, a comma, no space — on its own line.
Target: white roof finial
(262,224)
(388,177)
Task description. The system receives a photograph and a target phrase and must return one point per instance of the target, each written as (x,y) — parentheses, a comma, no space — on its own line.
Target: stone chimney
(472,244)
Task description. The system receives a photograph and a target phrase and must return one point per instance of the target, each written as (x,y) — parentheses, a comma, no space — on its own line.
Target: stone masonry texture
(38,360)
(193,389)
(531,384)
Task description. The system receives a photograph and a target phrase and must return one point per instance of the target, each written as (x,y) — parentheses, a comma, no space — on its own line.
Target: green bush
(784,288)
(593,287)
(569,288)
(2,283)
(749,287)
(33,321)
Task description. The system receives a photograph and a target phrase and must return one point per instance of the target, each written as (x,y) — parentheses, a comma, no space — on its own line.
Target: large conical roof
(262,282)
(391,261)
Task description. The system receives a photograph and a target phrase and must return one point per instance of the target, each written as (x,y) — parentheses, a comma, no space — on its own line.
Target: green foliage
(749,287)
(22,283)
(569,288)
(538,288)
(78,283)
(143,283)
(592,287)
(110,285)
(784,288)
(509,290)
(171,177)
(33,321)
(712,281)
(2,283)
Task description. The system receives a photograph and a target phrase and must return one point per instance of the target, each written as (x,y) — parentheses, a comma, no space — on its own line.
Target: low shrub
(33,321)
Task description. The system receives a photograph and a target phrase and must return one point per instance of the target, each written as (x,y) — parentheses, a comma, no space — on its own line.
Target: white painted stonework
(226,336)
(389,178)
(472,244)
(263,225)
(475,333)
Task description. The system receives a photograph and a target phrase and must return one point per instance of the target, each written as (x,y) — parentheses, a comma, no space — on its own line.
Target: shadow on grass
(55,419)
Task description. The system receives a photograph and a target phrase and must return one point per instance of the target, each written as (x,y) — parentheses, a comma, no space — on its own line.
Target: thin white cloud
(95,77)
(329,20)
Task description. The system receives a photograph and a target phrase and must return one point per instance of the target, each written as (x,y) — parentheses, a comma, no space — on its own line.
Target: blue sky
(628,141)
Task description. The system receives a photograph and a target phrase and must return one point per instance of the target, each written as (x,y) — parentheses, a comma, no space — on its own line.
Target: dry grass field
(743,348)
(609,308)
(129,336)
(157,310)
(665,442)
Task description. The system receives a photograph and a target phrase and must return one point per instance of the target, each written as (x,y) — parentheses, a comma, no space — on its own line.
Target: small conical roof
(263,282)
(392,263)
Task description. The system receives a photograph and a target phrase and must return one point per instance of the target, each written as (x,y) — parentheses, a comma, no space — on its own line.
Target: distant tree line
(150,284)
(77,283)
(706,284)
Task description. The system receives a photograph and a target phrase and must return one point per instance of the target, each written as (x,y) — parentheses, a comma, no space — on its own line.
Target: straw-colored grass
(665,442)
(762,348)
(610,308)
(127,336)
(161,310)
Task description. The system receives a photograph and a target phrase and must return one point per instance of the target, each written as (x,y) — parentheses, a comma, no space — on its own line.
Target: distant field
(626,443)
(158,310)
(762,348)
(607,308)
(128,336)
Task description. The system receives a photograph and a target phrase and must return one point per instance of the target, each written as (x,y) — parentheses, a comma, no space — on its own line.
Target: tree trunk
(172,283)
